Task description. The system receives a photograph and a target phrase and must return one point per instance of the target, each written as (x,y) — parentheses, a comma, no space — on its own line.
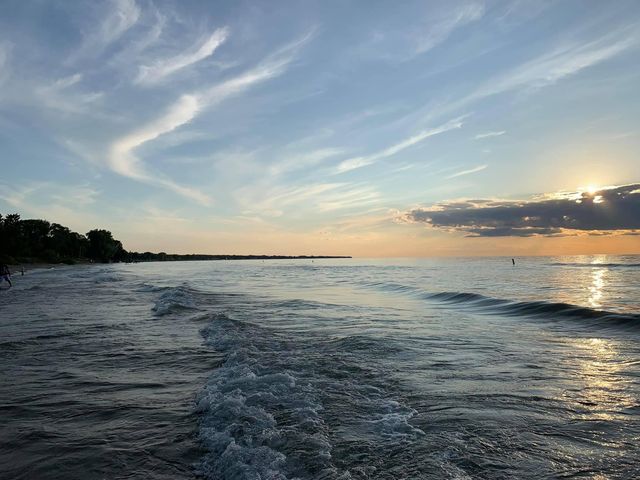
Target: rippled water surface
(331,369)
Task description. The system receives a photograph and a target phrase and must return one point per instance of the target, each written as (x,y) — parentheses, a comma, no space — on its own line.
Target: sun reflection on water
(596,289)
(603,393)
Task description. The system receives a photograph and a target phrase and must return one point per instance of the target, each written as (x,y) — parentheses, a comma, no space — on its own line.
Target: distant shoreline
(173,258)
(196,257)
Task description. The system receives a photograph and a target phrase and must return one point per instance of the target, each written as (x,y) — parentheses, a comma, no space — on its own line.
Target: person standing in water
(513,261)
(5,274)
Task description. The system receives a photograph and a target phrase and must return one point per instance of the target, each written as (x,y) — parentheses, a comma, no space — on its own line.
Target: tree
(66,244)
(103,247)
(9,238)
(33,238)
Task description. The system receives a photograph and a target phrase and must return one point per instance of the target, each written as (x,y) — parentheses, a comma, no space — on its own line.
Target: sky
(364,128)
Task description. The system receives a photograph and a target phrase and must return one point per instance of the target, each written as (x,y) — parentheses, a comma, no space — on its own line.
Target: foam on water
(257,418)
(264,411)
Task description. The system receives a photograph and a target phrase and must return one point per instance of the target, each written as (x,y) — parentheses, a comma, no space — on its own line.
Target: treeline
(38,241)
(33,241)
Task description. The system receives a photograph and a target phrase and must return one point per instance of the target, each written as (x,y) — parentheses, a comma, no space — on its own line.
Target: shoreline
(16,268)
(28,267)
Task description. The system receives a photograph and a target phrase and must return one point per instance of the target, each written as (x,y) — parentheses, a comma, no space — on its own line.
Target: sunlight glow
(603,393)
(591,189)
(596,288)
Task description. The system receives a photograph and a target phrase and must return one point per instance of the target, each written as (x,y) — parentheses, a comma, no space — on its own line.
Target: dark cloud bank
(611,210)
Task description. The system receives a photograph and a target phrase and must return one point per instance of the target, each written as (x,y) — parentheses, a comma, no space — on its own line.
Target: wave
(173,300)
(257,414)
(107,277)
(270,409)
(534,308)
(549,310)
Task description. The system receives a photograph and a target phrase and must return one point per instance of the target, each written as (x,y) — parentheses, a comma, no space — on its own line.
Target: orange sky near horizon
(397,241)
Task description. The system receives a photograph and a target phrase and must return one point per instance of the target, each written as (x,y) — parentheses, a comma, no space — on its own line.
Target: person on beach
(5,274)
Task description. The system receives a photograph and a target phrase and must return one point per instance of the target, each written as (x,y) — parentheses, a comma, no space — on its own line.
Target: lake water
(333,369)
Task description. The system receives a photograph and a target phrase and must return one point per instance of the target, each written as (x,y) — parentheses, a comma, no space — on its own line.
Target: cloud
(121,16)
(163,68)
(401,42)
(479,168)
(122,159)
(480,136)
(358,162)
(441,30)
(320,197)
(273,66)
(561,62)
(349,198)
(124,15)
(304,160)
(549,68)
(50,199)
(607,210)
(60,95)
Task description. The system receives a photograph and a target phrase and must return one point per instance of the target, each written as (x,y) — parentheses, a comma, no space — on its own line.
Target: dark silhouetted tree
(103,247)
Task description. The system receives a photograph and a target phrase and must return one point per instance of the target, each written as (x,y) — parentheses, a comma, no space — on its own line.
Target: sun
(591,189)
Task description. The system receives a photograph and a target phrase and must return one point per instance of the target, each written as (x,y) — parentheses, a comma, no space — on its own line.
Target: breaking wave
(539,309)
(550,310)
(174,300)
(268,411)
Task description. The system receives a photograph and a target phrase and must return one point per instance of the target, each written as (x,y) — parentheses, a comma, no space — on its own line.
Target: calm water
(350,369)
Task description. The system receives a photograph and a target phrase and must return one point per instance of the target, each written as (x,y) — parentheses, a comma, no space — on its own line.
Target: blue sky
(312,127)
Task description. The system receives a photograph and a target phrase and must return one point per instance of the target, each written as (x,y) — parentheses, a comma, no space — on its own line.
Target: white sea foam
(263,413)
(256,419)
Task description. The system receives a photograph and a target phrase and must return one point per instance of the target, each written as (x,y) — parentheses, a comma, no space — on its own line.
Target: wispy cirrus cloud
(62,202)
(60,96)
(469,171)
(117,18)
(358,162)
(431,26)
(443,27)
(606,211)
(160,69)
(315,197)
(122,17)
(350,197)
(481,136)
(562,61)
(304,160)
(122,158)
